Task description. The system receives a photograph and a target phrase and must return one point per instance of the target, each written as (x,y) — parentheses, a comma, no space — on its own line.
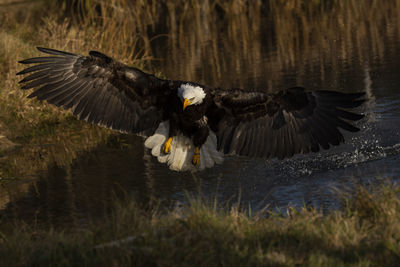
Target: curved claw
(196,156)
(167,146)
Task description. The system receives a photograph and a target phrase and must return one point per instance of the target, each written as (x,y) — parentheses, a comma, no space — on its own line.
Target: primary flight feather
(189,126)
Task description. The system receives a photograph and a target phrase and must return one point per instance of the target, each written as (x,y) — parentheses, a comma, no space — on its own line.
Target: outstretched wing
(283,124)
(98,89)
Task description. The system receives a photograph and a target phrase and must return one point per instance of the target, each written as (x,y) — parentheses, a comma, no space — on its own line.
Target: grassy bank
(35,135)
(365,233)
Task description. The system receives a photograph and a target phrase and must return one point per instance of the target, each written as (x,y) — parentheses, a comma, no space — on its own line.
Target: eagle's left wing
(98,89)
(283,124)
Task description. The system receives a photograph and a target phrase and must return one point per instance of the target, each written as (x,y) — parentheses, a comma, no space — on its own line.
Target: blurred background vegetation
(295,34)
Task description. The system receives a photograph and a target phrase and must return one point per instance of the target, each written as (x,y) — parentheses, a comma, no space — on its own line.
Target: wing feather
(280,125)
(98,89)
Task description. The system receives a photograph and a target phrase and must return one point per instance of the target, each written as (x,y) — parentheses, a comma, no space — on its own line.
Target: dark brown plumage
(101,90)
(290,122)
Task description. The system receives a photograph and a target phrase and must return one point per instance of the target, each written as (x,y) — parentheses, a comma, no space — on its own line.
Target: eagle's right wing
(98,89)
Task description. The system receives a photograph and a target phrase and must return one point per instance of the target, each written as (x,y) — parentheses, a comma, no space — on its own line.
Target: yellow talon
(196,156)
(167,146)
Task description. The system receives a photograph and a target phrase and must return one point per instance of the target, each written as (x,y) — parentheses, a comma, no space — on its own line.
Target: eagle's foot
(196,156)
(167,146)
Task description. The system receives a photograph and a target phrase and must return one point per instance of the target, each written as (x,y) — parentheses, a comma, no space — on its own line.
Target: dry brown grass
(47,135)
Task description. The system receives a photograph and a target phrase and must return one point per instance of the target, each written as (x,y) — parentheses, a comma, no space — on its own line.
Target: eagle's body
(189,126)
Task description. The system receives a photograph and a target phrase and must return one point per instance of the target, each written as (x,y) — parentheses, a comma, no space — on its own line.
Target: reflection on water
(280,43)
(340,49)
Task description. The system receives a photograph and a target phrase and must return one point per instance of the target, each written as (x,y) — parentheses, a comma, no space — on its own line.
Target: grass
(365,233)
(40,128)
(35,135)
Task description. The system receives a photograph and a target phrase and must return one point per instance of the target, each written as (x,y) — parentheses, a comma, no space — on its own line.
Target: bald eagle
(190,126)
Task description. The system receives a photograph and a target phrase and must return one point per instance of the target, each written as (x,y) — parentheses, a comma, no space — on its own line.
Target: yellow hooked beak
(186,103)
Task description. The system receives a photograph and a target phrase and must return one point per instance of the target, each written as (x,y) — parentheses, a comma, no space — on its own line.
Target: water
(86,188)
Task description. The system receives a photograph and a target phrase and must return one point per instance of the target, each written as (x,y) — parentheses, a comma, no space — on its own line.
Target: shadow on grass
(200,234)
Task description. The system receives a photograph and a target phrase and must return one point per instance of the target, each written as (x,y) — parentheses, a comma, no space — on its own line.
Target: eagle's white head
(191,94)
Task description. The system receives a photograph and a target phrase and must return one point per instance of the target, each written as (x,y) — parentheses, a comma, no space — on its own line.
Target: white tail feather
(182,150)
